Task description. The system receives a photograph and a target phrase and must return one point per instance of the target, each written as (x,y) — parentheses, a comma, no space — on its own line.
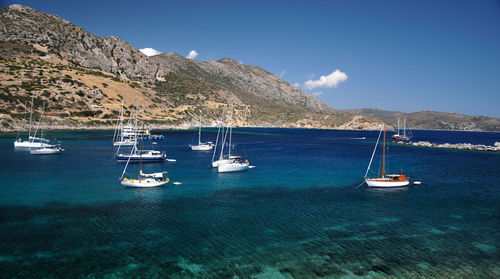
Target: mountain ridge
(69,61)
(432,120)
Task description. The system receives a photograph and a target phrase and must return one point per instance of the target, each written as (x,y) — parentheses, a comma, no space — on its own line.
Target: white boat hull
(123,143)
(30,144)
(202,147)
(46,151)
(232,167)
(386,184)
(216,164)
(143,182)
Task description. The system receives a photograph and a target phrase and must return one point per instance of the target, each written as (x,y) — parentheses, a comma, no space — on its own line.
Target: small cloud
(149,51)
(296,85)
(317,93)
(241,62)
(329,81)
(310,76)
(192,54)
(283,73)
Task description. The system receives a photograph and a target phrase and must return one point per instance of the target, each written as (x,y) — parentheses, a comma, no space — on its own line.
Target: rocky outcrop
(460,146)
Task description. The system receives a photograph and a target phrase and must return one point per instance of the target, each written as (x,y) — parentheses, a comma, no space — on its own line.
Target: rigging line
(373,154)
(24,121)
(128,160)
(359,185)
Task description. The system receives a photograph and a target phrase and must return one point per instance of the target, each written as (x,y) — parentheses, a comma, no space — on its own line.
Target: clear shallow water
(299,213)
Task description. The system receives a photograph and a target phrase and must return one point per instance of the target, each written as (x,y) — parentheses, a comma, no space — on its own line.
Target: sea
(302,212)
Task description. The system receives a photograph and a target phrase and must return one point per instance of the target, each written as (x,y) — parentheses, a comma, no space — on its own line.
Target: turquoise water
(299,214)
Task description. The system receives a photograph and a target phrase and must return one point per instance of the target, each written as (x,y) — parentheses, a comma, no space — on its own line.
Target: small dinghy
(417,182)
(177,183)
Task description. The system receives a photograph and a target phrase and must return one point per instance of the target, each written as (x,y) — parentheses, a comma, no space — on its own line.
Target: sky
(396,55)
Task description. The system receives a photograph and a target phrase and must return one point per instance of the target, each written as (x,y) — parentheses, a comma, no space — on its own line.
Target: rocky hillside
(433,120)
(83,78)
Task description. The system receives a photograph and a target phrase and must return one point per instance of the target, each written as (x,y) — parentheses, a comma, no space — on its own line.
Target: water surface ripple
(298,214)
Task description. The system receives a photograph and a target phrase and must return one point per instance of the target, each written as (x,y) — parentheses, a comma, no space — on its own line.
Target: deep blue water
(299,214)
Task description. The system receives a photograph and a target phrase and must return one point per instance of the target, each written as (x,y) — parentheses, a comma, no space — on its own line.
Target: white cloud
(317,93)
(329,81)
(296,85)
(149,51)
(192,54)
(283,73)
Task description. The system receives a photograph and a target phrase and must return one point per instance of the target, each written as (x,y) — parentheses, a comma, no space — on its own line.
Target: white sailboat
(201,146)
(44,150)
(231,163)
(33,141)
(144,180)
(386,180)
(119,138)
(406,133)
(223,136)
(143,155)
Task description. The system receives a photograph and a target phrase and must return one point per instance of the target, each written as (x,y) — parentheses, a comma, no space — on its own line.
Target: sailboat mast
(383,157)
(231,129)
(140,156)
(24,121)
(199,133)
(136,113)
(404,127)
(42,126)
(129,156)
(223,136)
(398,125)
(31,115)
(38,125)
(119,124)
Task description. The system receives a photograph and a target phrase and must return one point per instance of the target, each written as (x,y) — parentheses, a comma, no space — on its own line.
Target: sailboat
(405,135)
(201,146)
(223,137)
(33,141)
(44,150)
(386,180)
(142,155)
(144,180)
(231,163)
(119,138)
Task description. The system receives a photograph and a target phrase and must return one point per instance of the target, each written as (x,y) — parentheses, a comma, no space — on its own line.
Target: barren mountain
(83,78)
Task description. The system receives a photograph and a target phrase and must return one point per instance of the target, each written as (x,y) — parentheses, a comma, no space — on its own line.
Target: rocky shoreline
(459,146)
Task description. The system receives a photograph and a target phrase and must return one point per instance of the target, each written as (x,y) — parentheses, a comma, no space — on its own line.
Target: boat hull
(399,137)
(386,184)
(123,143)
(144,182)
(202,147)
(216,164)
(124,158)
(46,151)
(30,144)
(232,167)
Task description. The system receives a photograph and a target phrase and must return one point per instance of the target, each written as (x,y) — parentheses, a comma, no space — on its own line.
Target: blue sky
(396,55)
